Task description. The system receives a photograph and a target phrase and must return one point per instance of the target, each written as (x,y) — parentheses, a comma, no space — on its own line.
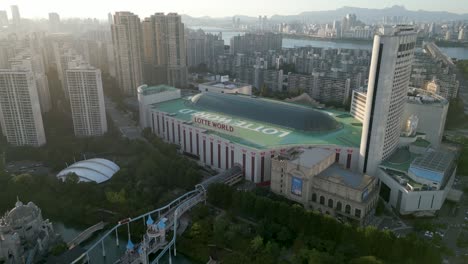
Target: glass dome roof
(268,111)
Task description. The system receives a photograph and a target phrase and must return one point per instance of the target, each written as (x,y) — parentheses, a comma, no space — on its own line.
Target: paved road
(123,121)
(454,217)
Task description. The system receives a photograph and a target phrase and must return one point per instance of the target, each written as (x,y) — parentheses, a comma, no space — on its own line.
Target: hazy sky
(214,8)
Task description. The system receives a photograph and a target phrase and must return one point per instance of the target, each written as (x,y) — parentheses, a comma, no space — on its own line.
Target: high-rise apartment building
(110,19)
(33,63)
(6,52)
(250,43)
(148,40)
(86,99)
(54,22)
(195,48)
(20,110)
(15,14)
(203,48)
(3,18)
(126,39)
(169,51)
(389,77)
(63,56)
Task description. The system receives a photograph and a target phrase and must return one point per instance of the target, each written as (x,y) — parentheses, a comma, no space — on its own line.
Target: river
(460,53)
(112,250)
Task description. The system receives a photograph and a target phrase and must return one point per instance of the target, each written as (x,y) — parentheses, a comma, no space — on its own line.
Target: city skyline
(213,8)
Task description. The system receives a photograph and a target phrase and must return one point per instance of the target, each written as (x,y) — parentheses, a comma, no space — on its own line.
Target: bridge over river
(157,240)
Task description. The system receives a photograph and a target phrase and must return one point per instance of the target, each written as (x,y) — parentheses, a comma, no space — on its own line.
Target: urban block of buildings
(326,160)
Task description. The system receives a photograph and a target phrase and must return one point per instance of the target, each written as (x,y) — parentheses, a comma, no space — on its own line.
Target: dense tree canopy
(152,173)
(315,238)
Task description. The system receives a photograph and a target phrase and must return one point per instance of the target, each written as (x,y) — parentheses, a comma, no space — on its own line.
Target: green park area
(248,227)
(152,174)
(458,120)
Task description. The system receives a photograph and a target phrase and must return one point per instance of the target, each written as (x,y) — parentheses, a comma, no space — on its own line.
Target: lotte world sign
(228,125)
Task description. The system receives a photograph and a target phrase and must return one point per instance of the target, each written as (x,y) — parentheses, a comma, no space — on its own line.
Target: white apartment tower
(54,22)
(34,63)
(126,39)
(3,18)
(170,49)
(86,99)
(15,14)
(64,55)
(389,77)
(20,110)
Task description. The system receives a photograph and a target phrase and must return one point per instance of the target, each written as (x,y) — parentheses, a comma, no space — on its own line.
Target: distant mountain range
(366,15)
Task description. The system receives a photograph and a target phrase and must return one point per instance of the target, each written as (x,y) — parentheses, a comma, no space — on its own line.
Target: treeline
(315,238)
(463,67)
(152,173)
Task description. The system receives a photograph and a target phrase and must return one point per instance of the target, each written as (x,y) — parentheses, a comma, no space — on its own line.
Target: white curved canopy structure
(97,170)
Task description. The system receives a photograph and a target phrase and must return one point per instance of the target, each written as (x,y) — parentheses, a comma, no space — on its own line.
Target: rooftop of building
(296,125)
(423,97)
(432,166)
(437,161)
(147,90)
(420,142)
(337,174)
(91,170)
(400,160)
(311,157)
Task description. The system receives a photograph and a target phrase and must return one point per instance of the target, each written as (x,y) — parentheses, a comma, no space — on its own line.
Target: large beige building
(313,178)
(126,39)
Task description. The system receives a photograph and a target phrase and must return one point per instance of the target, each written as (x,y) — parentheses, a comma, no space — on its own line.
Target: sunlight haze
(213,8)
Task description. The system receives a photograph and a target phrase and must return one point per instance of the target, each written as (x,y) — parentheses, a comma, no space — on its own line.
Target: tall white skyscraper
(15,15)
(126,39)
(20,110)
(389,76)
(86,99)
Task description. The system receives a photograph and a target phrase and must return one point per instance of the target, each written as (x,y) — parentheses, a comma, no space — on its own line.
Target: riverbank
(451,44)
(337,40)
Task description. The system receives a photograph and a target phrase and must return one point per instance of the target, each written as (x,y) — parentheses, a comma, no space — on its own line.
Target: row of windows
(337,207)
(162,127)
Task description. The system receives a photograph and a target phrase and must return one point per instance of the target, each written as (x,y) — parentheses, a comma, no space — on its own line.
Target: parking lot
(29,167)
